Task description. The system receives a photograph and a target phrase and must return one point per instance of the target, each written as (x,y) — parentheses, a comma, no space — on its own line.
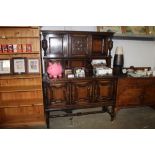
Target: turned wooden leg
(104,109)
(113,114)
(69,111)
(47,120)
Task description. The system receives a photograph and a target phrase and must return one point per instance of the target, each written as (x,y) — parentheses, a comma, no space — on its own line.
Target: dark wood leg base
(47,120)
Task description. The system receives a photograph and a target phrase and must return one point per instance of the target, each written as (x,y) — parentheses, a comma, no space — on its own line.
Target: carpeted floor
(131,118)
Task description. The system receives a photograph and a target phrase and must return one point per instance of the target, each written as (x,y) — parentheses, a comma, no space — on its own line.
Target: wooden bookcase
(21,99)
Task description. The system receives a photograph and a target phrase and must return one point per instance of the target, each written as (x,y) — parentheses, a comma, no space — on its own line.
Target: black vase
(118,60)
(118,64)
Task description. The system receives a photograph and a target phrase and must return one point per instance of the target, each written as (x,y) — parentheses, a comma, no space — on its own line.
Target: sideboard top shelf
(77,32)
(115,36)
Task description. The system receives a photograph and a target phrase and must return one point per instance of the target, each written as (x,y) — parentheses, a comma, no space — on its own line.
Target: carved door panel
(104,90)
(57,45)
(81,92)
(58,94)
(79,45)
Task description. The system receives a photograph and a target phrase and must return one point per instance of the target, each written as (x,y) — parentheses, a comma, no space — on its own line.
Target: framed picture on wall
(19,65)
(151,30)
(116,29)
(33,65)
(139,30)
(5,66)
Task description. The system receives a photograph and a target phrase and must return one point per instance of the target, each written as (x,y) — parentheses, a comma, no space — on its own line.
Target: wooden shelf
(23,37)
(17,53)
(11,89)
(21,76)
(21,98)
(77,58)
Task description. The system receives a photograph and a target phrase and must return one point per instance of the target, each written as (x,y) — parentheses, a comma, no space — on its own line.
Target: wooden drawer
(142,82)
(20,98)
(21,114)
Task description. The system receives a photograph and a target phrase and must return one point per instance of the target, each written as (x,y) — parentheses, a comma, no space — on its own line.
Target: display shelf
(18,53)
(21,98)
(23,37)
(22,76)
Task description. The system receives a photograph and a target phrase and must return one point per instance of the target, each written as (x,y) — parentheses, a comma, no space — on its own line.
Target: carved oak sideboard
(75,50)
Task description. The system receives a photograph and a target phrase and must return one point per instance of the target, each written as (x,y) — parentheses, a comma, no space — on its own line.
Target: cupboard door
(81,92)
(79,45)
(130,97)
(57,45)
(149,97)
(99,46)
(104,90)
(130,92)
(58,94)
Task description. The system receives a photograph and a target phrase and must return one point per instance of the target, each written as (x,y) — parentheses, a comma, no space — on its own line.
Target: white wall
(71,28)
(136,53)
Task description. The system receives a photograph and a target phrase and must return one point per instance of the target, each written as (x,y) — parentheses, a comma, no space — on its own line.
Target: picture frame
(116,29)
(5,66)
(151,30)
(33,65)
(136,30)
(19,65)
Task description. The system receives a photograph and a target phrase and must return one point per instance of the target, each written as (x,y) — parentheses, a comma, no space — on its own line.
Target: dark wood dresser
(72,50)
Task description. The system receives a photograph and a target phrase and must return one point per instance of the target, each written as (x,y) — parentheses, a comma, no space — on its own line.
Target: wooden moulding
(21,103)
(18,32)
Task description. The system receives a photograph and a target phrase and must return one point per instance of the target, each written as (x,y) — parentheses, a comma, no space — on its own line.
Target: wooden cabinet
(76,50)
(70,94)
(73,44)
(21,98)
(135,92)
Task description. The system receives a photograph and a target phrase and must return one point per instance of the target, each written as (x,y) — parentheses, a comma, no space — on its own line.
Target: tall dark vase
(118,62)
